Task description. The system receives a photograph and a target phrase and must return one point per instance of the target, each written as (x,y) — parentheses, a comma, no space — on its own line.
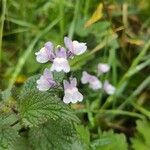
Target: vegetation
(117,33)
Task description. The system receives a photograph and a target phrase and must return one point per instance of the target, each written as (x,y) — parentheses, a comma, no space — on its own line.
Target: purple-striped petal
(71,93)
(45,54)
(46,81)
(61,53)
(75,47)
(79,48)
(60,64)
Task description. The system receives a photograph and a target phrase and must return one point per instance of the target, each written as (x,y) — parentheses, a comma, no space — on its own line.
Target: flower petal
(46,81)
(79,48)
(66,84)
(73,82)
(42,56)
(96,84)
(68,43)
(60,64)
(85,77)
(103,68)
(45,54)
(67,99)
(77,97)
(43,84)
(109,89)
(61,53)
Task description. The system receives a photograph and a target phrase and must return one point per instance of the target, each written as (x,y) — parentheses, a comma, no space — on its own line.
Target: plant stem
(2,26)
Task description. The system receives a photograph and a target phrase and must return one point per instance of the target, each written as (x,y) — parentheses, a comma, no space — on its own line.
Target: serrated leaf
(22,144)
(6,94)
(8,134)
(141,139)
(30,84)
(7,120)
(15,92)
(37,107)
(55,134)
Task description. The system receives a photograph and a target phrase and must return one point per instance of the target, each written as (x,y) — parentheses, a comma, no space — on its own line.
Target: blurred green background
(117,32)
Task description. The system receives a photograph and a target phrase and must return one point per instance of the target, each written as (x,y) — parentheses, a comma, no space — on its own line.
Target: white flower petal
(42,84)
(42,56)
(84,78)
(103,68)
(95,85)
(77,97)
(60,64)
(72,95)
(79,48)
(67,98)
(109,89)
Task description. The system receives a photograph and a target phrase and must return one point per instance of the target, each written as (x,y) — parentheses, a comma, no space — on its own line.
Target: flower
(75,47)
(93,81)
(46,81)
(108,88)
(60,62)
(72,95)
(45,54)
(103,68)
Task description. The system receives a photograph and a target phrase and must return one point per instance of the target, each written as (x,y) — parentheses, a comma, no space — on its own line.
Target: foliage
(117,33)
(40,115)
(141,139)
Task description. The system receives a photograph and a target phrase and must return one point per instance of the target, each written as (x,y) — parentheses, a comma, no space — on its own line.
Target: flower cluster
(59,58)
(95,83)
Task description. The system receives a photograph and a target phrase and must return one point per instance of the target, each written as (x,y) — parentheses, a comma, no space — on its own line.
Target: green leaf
(84,134)
(37,107)
(30,84)
(7,119)
(110,141)
(55,134)
(141,139)
(22,144)
(8,134)
(6,94)
(58,76)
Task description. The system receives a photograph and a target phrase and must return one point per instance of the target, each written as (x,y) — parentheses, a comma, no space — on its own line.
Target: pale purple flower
(75,47)
(46,81)
(45,54)
(71,93)
(103,68)
(108,88)
(60,62)
(93,81)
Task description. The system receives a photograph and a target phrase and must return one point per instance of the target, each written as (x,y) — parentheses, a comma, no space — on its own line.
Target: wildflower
(108,88)
(93,81)
(72,95)
(60,62)
(75,47)
(45,54)
(46,81)
(103,68)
